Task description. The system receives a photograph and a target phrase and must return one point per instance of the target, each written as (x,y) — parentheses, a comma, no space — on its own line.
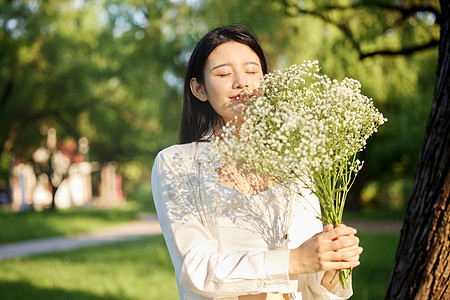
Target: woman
(231,233)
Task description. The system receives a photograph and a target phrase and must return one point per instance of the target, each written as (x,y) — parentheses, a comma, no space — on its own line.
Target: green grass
(131,270)
(33,225)
(138,269)
(142,270)
(370,279)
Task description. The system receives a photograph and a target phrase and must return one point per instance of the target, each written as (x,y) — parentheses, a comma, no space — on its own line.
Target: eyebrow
(229,65)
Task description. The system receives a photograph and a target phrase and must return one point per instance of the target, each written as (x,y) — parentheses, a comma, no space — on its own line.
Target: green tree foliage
(93,69)
(112,70)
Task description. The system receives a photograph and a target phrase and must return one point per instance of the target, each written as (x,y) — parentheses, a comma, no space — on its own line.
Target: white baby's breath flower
(305,126)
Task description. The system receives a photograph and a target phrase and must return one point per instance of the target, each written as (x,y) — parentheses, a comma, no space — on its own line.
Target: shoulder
(180,152)
(177,150)
(179,156)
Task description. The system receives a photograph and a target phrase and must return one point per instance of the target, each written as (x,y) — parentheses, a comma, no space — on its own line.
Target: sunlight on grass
(132,270)
(142,270)
(33,225)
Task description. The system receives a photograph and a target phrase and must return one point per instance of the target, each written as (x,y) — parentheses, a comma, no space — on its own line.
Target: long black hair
(199,117)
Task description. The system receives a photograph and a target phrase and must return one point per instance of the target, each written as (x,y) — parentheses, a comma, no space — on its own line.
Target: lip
(241,96)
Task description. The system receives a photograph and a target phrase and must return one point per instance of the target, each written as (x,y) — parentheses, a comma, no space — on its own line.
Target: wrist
(330,279)
(294,270)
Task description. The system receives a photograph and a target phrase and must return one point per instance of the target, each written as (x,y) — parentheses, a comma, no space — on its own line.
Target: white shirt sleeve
(198,264)
(311,288)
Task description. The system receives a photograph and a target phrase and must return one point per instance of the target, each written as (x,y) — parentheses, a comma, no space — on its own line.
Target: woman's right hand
(333,249)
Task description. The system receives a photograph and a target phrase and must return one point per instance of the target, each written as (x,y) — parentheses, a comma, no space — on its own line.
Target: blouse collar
(209,153)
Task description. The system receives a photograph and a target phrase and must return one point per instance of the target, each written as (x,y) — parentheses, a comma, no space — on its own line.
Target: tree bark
(422,263)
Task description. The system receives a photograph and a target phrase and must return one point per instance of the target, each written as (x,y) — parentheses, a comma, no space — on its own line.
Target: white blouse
(224,244)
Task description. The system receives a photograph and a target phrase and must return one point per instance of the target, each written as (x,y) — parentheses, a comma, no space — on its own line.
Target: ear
(198,90)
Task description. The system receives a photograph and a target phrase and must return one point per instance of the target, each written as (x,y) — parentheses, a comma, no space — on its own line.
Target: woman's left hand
(331,278)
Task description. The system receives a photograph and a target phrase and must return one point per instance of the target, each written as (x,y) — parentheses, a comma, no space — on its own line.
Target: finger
(343,236)
(348,248)
(338,265)
(349,255)
(344,229)
(327,227)
(344,265)
(354,258)
(344,243)
(340,230)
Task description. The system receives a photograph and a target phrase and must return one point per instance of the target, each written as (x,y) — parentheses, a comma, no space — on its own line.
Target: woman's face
(230,70)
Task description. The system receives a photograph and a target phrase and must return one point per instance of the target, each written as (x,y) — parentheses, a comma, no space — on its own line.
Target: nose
(240,81)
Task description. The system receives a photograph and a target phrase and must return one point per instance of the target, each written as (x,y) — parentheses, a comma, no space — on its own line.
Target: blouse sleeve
(198,264)
(311,288)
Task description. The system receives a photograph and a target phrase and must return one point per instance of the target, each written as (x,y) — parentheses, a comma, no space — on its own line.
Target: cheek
(215,87)
(257,80)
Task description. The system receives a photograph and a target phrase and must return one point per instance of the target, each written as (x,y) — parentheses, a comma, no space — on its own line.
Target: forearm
(330,279)
(235,273)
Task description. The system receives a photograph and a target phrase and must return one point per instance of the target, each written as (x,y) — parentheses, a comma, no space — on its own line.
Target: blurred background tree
(391,48)
(112,71)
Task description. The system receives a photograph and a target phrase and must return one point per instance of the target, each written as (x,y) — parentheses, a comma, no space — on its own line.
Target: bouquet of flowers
(305,126)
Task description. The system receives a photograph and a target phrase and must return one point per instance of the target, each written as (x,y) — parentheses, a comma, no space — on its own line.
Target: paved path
(128,231)
(146,226)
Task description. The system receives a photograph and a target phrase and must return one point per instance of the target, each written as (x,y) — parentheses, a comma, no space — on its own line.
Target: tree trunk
(422,263)
(53,205)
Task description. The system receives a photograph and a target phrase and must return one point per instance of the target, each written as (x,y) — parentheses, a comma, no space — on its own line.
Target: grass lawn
(142,270)
(32,225)
(130,270)
(370,279)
